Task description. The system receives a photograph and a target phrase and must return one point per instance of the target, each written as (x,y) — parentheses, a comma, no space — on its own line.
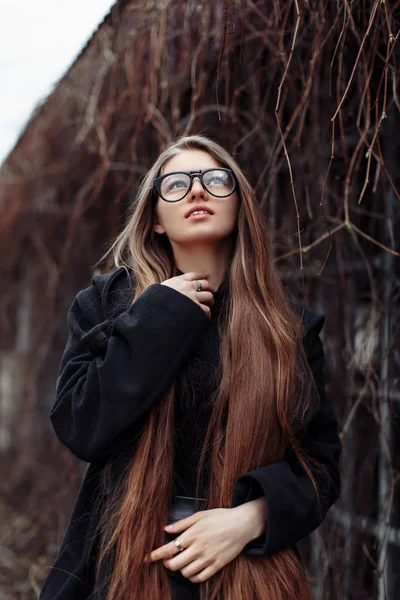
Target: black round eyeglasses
(174,186)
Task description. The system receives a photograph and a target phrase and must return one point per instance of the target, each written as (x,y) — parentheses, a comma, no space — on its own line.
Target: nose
(197,187)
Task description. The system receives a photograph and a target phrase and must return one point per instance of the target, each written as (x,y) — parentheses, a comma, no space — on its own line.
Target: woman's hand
(211,538)
(186,284)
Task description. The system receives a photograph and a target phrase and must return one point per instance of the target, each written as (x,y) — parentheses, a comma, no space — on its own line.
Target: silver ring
(178,545)
(199,285)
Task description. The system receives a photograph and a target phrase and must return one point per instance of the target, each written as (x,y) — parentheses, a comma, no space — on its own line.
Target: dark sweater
(119,360)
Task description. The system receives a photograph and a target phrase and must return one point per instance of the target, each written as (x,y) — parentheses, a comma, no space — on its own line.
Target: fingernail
(168,527)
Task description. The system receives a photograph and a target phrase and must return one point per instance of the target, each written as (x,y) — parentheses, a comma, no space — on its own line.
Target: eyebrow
(192,171)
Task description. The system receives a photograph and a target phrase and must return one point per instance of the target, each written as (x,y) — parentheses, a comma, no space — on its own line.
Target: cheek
(234,211)
(234,204)
(166,214)
(171,220)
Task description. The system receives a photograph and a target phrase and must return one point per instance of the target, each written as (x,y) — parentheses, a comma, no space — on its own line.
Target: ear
(157,227)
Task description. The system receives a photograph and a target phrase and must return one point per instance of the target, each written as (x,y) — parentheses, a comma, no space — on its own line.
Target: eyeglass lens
(217,182)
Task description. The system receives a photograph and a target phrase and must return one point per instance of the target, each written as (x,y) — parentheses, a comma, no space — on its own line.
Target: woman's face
(171,217)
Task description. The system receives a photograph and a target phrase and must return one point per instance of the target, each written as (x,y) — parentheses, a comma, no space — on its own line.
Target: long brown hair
(263,390)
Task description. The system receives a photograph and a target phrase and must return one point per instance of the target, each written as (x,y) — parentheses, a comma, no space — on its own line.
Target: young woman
(195,389)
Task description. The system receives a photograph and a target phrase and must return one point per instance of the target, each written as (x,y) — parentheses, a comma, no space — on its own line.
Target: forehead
(190,160)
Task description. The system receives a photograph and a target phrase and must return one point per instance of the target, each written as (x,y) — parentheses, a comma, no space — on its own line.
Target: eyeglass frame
(192,175)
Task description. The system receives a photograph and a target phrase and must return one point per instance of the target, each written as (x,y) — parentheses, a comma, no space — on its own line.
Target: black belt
(184,506)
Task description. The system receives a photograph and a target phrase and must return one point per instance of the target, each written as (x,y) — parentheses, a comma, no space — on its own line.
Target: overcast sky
(38,42)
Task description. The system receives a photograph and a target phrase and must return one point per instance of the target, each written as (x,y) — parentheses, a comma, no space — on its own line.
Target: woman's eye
(218,180)
(178,183)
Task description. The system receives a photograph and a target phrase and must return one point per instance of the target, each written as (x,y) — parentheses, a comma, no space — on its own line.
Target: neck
(214,262)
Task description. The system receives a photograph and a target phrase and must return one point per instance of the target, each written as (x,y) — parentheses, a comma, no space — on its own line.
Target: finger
(182,524)
(197,275)
(194,567)
(180,560)
(203,575)
(166,551)
(205,297)
(207,288)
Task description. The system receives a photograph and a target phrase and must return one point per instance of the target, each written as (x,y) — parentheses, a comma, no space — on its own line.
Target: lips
(193,209)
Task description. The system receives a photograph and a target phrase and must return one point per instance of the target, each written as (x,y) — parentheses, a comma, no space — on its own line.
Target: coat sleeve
(111,375)
(293,508)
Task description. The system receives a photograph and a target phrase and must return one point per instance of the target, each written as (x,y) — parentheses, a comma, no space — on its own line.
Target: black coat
(119,360)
